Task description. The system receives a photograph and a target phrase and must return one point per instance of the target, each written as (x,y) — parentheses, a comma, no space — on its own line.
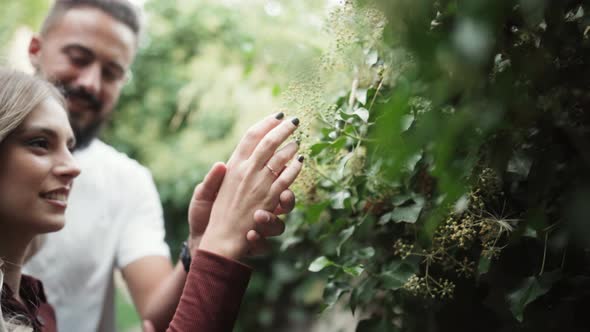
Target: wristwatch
(185,256)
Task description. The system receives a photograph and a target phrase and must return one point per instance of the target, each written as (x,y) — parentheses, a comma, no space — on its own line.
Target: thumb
(208,189)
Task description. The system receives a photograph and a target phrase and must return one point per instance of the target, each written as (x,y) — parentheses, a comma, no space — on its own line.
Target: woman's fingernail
(300,159)
(295,121)
(280,116)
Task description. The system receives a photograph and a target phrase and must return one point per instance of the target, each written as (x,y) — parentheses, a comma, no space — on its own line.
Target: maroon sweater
(36,312)
(212,294)
(210,300)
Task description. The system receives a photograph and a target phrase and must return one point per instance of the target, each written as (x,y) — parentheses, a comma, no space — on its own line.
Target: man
(114,217)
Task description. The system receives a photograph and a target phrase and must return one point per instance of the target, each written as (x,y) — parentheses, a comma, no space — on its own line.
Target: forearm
(162,303)
(212,295)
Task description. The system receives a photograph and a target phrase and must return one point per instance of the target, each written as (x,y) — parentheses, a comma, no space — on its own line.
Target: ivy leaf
(385,219)
(520,165)
(361,96)
(313,212)
(338,199)
(320,263)
(408,213)
(344,235)
(318,148)
(484,265)
(362,113)
(366,253)
(413,161)
(407,121)
(354,271)
(396,275)
(531,289)
(372,58)
(333,291)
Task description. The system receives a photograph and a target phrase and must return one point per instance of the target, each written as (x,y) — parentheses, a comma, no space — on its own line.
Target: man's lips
(79,105)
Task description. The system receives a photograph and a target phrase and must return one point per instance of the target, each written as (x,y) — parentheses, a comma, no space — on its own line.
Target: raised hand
(267,224)
(255,178)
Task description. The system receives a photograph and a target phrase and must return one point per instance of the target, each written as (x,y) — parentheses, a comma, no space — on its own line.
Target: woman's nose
(68,167)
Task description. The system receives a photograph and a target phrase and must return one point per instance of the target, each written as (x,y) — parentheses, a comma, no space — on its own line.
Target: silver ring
(272,170)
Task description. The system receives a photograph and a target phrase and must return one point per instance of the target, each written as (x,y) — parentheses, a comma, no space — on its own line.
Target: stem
(544,254)
(376,93)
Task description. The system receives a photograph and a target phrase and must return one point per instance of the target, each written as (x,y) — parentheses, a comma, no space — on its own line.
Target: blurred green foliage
(446,190)
(16,14)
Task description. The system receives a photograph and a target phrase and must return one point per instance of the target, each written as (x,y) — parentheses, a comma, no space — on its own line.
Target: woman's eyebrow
(42,129)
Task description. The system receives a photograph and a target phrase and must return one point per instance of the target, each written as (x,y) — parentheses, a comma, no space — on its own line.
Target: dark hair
(121,10)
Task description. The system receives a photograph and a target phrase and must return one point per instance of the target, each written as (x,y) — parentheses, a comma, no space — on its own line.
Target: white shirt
(114,217)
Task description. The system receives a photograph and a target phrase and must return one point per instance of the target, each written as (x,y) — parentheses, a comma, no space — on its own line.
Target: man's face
(86,53)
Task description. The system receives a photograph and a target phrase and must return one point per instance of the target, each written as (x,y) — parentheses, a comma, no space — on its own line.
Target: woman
(37,171)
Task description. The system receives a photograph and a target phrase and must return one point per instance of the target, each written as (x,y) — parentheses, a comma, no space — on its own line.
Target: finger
(253,236)
(258,246)
(253,136)
(278,161)
(286,203)
(271,142)
(287,177)
(147,326)
(207,190)
(267,224)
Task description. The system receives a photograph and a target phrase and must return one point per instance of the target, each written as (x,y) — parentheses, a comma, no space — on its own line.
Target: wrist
(232,248)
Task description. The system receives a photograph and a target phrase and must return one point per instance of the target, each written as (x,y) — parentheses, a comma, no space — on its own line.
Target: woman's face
(36,171)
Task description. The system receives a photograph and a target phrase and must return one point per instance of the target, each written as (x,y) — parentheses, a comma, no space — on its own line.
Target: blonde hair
(20,94)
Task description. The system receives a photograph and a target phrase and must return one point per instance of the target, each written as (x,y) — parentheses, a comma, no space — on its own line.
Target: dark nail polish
(295,121)
(280,116)
(300,159)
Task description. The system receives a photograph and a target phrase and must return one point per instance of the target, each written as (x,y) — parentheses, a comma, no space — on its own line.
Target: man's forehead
(95,30)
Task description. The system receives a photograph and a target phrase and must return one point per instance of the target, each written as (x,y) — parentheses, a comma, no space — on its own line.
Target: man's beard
(84,135)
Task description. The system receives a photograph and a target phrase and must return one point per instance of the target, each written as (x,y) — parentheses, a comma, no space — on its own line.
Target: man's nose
(90,79)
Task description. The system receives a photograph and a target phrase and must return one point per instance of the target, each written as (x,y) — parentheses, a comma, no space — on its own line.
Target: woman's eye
(41,143)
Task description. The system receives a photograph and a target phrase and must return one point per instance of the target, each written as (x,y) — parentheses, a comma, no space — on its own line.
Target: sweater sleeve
(212,294)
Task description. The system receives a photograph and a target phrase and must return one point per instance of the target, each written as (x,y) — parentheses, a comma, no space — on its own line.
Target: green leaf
(333,292)
(362,113)
(372,58)
(484,265)
(354,271)
(396,275)
(338,199)
(407,121)
(385,219)
(408,213)
(318,148)
(361,96)
(531,289)
(319,264)
(366,253)
(314,212)
(344,235)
